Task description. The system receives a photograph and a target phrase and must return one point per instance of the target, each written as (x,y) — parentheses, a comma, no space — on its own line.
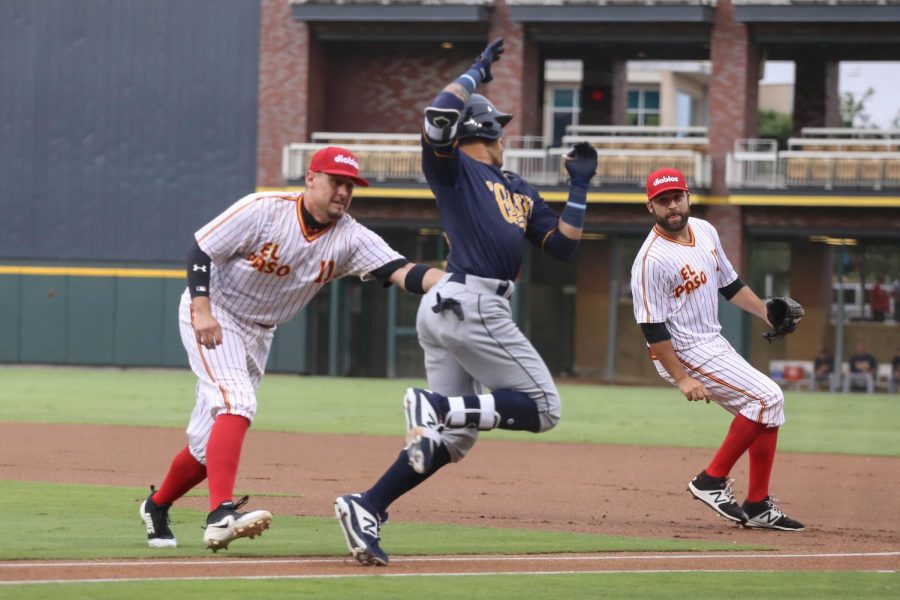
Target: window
(565,108)
(643,107)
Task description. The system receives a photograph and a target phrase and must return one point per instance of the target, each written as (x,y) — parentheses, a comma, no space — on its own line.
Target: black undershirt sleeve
(731,289)
(199,265)
(384,272)
(655,332)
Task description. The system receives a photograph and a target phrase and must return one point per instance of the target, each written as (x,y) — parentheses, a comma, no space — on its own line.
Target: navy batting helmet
(481,119)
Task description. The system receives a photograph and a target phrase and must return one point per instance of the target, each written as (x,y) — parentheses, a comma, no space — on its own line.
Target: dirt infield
(849,503)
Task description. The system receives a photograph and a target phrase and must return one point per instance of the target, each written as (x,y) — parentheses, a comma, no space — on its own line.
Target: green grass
(640,586)
(108,527)
(816,422)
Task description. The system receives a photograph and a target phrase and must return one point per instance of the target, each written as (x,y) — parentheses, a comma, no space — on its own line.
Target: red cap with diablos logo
(663,180)
(337,161)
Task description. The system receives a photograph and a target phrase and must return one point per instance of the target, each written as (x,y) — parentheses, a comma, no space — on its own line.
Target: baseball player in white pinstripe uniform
(254,266)
(675,281)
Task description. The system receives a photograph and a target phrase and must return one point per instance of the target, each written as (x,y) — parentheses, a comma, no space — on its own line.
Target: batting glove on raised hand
(489,56)
(581,164)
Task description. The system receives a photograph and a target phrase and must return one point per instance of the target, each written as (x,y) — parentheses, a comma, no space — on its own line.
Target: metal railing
(540,166)
(755,164)
(636,130)
(377,162)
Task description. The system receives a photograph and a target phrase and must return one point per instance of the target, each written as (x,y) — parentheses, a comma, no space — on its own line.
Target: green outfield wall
(107,316)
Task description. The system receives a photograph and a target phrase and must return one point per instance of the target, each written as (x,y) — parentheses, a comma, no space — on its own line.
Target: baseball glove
(784,314)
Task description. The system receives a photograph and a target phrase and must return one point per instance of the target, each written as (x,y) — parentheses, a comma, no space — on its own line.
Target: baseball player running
(253,267)
(464,323)
(674,283)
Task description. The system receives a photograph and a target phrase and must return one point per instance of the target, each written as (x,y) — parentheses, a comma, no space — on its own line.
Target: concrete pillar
(291,100)
(816,99)
(733,90)
(517,75)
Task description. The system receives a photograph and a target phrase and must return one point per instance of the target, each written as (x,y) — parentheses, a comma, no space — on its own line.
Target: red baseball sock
(184,473)
(762,455)
(739,437)
(223,455)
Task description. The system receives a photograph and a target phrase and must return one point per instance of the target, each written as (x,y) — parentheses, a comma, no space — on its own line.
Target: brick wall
(382,87)
(283,88)
(517,76)
(733,89)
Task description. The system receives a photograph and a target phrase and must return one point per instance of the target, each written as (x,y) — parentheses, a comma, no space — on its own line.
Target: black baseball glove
(784,315)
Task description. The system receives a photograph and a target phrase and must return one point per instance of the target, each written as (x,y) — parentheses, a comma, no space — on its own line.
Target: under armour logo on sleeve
(200,268)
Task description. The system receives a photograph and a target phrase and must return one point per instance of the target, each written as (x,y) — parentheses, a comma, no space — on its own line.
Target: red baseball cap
(337,161)
(662,180)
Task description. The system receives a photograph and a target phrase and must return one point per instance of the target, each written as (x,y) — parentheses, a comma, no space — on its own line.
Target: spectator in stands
(879,300)
(863,367)
(823,366)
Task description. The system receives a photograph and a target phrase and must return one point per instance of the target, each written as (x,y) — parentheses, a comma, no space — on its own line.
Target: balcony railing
(828,163)
(397,157)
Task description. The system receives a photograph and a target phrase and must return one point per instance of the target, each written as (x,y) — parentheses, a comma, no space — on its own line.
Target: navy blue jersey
(487,214)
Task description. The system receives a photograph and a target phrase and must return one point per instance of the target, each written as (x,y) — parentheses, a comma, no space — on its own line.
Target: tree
(774,124)
(853,109)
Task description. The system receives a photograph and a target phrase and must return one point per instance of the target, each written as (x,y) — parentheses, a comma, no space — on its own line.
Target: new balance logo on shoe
(716,493)
(361,529)
(769,517)
(765,514)
(370,526)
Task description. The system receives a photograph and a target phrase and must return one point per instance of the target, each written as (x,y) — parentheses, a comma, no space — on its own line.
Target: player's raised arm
(581,165)
(559,236)
(443,116)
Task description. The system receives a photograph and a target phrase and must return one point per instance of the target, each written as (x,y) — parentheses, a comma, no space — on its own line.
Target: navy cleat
(156,519)
(226,524)
(423,429)
(765,514)
(716,493)
(362,529)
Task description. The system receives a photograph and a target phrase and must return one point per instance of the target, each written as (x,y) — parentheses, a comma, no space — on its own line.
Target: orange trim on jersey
(663,235)
(209,370)
(728,385)
(227,218)
(309,236)
(715,254)
(644,277)
(548,234)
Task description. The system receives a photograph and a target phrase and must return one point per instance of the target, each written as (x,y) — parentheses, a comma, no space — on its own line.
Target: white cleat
(226,524)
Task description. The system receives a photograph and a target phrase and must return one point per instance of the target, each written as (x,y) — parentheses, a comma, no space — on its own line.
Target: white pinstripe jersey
(266,266)
(677,283)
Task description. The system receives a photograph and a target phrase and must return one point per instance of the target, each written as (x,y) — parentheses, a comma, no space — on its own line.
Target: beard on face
(664,222)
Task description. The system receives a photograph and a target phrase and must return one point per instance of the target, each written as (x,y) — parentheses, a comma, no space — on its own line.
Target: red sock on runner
(184,473)
(223,455)
(762,455)
(739,437)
